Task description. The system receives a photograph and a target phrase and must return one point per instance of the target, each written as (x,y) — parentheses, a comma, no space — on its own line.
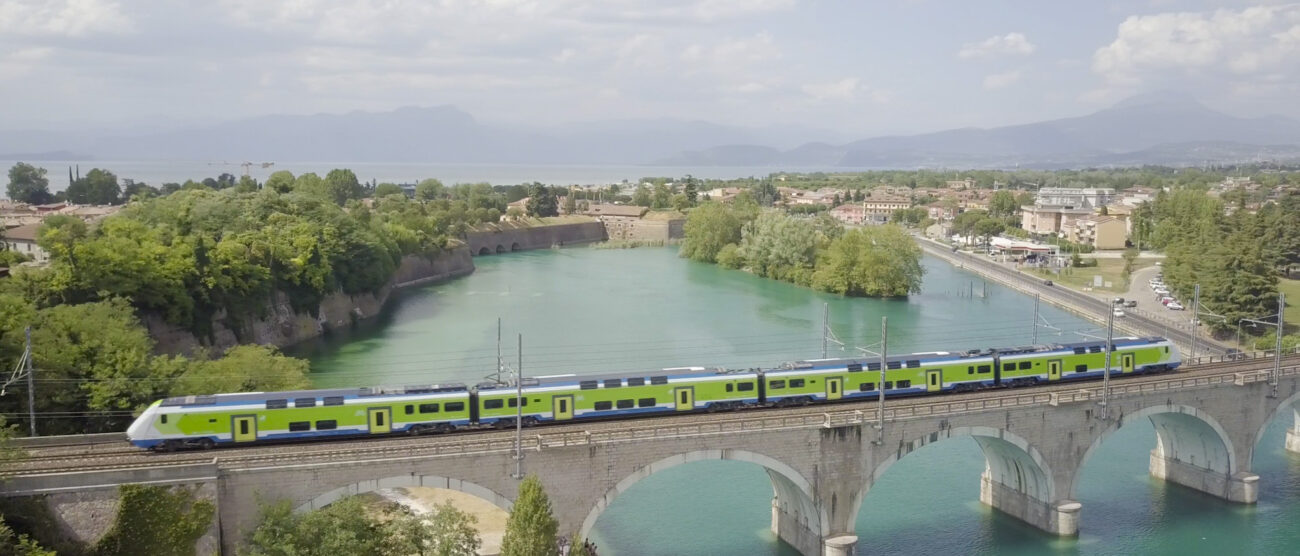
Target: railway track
(105,452)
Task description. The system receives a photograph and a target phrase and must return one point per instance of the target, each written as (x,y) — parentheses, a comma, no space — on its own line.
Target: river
(590,310)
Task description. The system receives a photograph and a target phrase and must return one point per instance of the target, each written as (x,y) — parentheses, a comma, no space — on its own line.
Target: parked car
(1162,291)
(1118,301)
(1131,303)
(1234,354)
(1166,300)
(1119,312)
(1047,282)
(1174,305)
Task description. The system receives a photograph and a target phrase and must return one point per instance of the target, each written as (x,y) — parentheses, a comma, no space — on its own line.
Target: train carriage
(666,391)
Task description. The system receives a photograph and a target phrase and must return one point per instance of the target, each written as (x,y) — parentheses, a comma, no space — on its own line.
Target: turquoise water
(588,310)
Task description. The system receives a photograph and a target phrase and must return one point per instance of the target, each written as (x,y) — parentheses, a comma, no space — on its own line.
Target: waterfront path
(1090,306)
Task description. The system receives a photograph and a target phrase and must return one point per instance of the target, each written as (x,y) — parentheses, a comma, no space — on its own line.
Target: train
(207,421)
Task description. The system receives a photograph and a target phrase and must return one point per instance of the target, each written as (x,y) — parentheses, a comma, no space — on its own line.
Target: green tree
(570,203)
(341,184)
(386,189)
(662,197)
(691,192)
(12,544)
(531,529)
(343,527)
(880,261)
(429,190)
(280,181)
(310,184)
(247,368)
(98,187)
(28,184)
(247,184)
(778,246)
(158,521)
(988,227)
(680,202)
(1003,203)
(139,191)
(708,229)
(641,197)
(446,531)
(542,201)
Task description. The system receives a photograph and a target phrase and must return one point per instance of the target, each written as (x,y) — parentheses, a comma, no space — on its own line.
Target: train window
(164,419)
(855,367)
(613,382)
(1008,366)
(492,404)
(455,406)
(867,387)
(658,380)
(984,369)
(970,370)
(1080,368)
(299,426)
(904,384)
(729,387)
(895,365)
(776,385)
(333,400)
(277,404)
(796,383)
(212,420)
(1080,351)
(913,364)
(889,385)
(638,381)
(304,402)
(327,425)
(1025,365)
(626,404)
(745,387)
(431,407)
(410,410)
(588,384)
(604,406)
(243,426)
(646,402)
(1095,349)
(512,402)
(873,366)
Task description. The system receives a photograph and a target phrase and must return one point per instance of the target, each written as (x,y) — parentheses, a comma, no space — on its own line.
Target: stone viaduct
(822,461)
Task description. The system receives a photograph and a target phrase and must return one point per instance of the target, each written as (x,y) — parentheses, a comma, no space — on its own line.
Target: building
(1072,197)
(852,214)
(22,239)
(879,209)
(1049,220)
(1100,232)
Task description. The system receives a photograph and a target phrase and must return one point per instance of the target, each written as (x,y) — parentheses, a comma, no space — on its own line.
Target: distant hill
(1169,129)
(1152,129)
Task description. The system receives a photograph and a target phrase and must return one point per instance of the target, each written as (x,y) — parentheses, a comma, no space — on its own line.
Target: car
(1162,291)
(1167,300)
(1131,303)
(1118,312)
(1047,282)
(1174,306)
(1234,354)
(1118,301)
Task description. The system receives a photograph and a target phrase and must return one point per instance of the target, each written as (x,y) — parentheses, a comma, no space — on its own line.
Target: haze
(846,69)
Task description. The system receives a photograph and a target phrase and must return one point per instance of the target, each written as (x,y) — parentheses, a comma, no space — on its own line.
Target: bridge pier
(1059,517)
(794,530)
(1293,435)
(1242,487)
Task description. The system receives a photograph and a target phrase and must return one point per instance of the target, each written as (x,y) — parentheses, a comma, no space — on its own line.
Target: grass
(1292,290)
(1111,270)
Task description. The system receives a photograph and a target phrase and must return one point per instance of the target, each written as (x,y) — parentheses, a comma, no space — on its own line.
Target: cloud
(1224,44)
(834,90)
(1003,45)
(62,18)
(999,80)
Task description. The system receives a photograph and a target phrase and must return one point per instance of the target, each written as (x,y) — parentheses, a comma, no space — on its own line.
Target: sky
(854,67)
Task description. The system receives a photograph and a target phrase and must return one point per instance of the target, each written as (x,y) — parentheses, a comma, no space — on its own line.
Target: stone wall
(505,240)
(282,326)
(636,229)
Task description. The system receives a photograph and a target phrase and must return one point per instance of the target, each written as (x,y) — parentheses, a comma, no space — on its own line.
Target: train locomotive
(262,417)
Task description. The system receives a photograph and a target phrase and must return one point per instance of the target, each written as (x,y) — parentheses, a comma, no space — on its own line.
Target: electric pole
(31,386)
(519,412)
(1196,320)
(880,403)
(1277,348)
(826,326)
(1105,381)
(1037,296)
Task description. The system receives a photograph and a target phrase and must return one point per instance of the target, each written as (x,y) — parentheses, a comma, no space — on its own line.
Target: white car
(1175,306)
(1119,312)
(1162,291)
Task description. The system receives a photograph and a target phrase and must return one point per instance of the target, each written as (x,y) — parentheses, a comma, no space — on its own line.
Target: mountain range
(1154,129)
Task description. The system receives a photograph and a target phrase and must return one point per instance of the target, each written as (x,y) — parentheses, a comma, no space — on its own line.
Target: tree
(542,201)
(99,187)
(692,194)
(531,529)
(156,520)
(234,373)
(708,229)
(343,527)
(247,184)
(341,184)
(309,183)
(778,246)
(880,261)
(641,197)
(446,531)
(428,190)
(19,545)
(28,184)
(386,189)
(662,197)
(1003,204)
(989,227)
(570,203)
(139,191)
(280,181)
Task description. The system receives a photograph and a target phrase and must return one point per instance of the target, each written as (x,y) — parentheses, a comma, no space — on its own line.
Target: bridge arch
(1183,433)
(501,248)
(1010,460)
(484,251)
(514,246)
(1287,404)
(411,480)
(793,492)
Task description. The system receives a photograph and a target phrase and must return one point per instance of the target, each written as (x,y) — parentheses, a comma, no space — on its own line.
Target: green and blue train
(251,418)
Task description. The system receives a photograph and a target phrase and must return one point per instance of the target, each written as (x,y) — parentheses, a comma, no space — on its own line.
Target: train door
(934,380)
(244,428)
(834,388)
(1126,361)
(562,407)
(684,398)
(1054,370)
(379,420)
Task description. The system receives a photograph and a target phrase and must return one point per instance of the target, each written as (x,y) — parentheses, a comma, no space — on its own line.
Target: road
(1088,306)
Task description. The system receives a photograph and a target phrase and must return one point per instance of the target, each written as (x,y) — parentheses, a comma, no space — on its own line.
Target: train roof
(253,397)
(573,379)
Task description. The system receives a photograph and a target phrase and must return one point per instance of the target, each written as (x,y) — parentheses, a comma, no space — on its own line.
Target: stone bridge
(822,461)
